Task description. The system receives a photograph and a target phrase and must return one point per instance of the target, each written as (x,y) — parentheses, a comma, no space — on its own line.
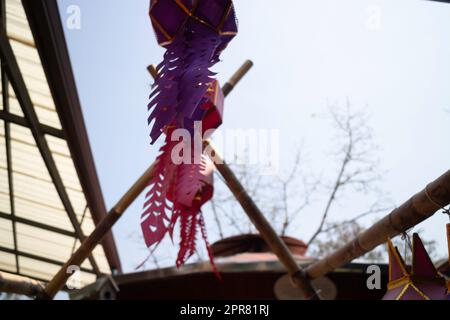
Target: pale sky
(390,57)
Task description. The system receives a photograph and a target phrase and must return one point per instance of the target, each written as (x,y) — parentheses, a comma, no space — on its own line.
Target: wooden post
(11,283)
(272,239)
(418,208)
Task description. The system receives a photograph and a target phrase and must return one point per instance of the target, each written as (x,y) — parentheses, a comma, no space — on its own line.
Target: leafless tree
(338,234)
(358,165)
(280,198)
(289,189)
(284,199)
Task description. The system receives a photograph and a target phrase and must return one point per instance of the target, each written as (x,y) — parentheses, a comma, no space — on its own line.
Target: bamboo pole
(417,209)
(248,205)
(58,281)
(272,239)
(237,76)
(152,70)
(11,283)
(61,277)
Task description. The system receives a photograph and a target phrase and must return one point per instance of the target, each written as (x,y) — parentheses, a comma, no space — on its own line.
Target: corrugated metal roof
(39,250)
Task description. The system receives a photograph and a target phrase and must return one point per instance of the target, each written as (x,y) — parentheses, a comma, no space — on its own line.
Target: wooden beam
(418,208)
(7,127)
(20,89)
(444,1)
(36,224)
(48,34)
(21,121)
(39,258)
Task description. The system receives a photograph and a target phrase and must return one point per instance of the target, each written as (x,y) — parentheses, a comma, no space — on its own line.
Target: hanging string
(407,239)
(404,236)
(438,205)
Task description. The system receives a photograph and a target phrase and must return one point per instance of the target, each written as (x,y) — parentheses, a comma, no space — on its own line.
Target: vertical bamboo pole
(273,240)
(251,209)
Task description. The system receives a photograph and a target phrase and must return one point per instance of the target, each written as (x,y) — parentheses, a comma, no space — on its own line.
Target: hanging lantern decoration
(194,33)
(421,282)
(184,96)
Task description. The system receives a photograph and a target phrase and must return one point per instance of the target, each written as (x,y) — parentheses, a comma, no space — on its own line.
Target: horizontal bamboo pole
(417,209)
(272,239)
(88,245)
(11,283)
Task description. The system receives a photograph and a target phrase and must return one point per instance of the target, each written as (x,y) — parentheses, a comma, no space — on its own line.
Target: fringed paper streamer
(194,33)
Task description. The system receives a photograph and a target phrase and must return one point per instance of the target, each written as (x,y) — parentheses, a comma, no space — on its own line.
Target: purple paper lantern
(194,34)
(421,282)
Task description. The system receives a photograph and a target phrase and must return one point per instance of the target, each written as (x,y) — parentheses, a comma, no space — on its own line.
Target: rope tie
(403,234)
(438,205)
(405,237)
(399,230)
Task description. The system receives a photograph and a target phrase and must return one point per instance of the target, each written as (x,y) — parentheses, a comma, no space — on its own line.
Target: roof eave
(48,33)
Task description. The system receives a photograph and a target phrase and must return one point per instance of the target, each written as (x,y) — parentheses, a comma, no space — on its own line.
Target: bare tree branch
(356,168)
(284,198)
(356,218)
